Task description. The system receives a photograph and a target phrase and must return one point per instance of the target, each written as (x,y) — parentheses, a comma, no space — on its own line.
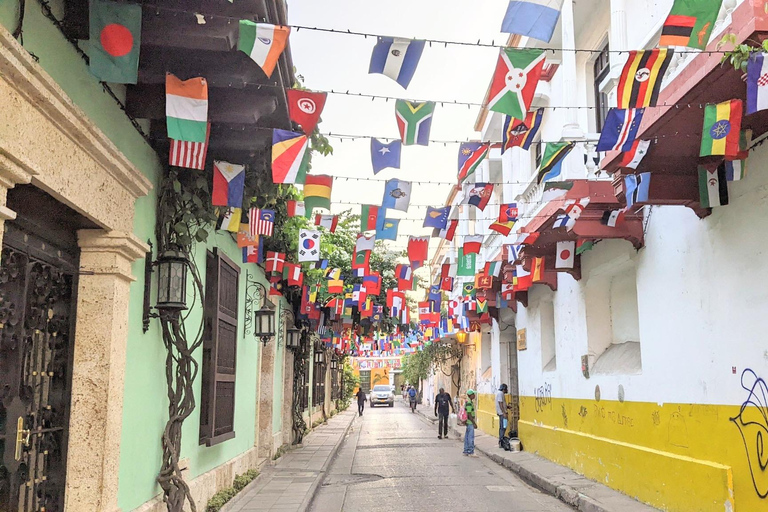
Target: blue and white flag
(620,129)
(386,229)
(757,83)
(637,187)
(396,58)
(437,217)
(532,18)
(397,195)
(385,155)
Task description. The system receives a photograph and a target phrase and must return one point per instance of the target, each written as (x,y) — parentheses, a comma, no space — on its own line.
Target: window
(318,377)
(601,68)
(537,150)
(217,400)
(547,326)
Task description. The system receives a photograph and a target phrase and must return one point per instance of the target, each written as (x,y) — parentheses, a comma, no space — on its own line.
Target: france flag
(532,18)
(396,58)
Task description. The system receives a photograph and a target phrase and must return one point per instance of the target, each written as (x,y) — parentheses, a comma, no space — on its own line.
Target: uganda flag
(722,129)
(690,23)
(115,37)
(640,80)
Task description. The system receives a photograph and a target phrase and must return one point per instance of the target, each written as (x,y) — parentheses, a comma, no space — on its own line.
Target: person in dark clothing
(442,402)
(360,401)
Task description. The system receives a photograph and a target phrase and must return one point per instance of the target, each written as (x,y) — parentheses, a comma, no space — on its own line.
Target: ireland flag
(515,80)
(186,108)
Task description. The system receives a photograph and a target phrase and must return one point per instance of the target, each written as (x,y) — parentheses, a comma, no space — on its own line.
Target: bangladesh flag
(115,35)
(515,80)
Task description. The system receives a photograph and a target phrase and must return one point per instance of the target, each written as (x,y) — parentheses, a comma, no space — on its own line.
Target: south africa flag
(115,37)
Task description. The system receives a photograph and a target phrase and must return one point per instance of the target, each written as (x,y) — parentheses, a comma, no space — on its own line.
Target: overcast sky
(340,62)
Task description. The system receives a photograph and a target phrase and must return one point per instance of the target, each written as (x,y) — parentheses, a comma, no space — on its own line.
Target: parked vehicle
(382,394)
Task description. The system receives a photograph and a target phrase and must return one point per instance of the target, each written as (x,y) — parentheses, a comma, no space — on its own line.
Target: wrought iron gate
(37,282)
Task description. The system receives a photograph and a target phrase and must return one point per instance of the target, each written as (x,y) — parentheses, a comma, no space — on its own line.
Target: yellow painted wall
(676,457)
(379,376)
(487,420)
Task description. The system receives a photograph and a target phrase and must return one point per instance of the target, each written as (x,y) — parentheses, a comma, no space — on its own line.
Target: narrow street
(393,460)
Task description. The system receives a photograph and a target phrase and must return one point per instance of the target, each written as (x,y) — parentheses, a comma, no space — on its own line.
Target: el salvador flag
(396,58)
(532,18)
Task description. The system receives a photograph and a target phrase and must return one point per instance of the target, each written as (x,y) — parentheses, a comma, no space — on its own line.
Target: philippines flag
(228,184)
(189,154)
(261,222)
(396,58)
(757,83)
(620,129)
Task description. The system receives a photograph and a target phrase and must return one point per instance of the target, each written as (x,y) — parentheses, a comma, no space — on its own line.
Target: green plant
(218,500)
(741,53)
(419,365)
(242,480)
(280,451)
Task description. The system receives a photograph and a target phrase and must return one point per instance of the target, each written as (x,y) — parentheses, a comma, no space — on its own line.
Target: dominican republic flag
(275,261)
(757,83)
(471,155)
(261,222)
(532,18)
(189,154)
(396,58)
(620,129)
(228,184)
(637,187)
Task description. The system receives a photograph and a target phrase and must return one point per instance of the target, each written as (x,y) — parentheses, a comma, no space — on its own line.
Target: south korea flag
(309,245)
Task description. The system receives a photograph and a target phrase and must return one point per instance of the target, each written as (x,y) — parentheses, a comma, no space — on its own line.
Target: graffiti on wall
(543,396)
(752,422)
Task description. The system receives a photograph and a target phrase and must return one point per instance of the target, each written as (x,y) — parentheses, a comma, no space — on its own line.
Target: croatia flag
(757,83)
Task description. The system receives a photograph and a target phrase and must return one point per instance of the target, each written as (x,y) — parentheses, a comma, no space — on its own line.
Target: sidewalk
(578,491)
(288,484)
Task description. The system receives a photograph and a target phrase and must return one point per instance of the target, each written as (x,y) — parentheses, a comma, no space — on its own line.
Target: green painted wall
(277,395)
(145,402)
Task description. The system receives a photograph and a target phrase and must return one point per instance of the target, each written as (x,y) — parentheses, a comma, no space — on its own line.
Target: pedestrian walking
(469,435)
(442,403)
(360,401)
(501,410)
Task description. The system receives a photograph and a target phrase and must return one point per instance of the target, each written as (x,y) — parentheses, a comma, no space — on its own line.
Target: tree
(420,365)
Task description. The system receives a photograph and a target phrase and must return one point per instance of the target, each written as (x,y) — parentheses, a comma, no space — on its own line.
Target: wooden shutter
(217,403)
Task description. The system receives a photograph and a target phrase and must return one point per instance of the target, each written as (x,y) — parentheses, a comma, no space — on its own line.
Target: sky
(340,62)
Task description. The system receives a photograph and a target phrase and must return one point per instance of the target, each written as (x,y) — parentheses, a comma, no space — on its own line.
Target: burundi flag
(437,218)
(263,43)
(115,36)
(722,129)
(414,121)
(641,77)
(757,83)
(532,18)
(515,80)
(397,195)
(228,183)
(289,156)
(386,229)
(317,192)
(517,133)
(690,23)
(186,108)
(554,153)
(471,155)
(396,58)
(713,187)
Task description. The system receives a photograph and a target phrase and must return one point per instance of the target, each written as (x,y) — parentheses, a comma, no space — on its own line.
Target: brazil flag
(115,32)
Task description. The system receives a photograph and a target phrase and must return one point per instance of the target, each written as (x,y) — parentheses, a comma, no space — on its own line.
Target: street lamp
(171,283)
(334,364)
(461,336)
(264,323)
(293,338)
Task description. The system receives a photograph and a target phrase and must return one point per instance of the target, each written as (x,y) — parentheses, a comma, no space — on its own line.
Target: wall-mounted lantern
(172,269)
(262,324)
(334,363)
(293,338)
(461,336)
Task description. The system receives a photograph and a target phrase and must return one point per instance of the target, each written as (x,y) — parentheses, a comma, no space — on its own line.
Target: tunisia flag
(305,107)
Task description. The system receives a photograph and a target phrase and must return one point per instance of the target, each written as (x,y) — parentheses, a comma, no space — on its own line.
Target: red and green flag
(115,37)
(514,81)
(721,134)
(690,23)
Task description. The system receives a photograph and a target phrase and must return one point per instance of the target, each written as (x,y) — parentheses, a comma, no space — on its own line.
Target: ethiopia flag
(690,23)
(115,36)
(722,129)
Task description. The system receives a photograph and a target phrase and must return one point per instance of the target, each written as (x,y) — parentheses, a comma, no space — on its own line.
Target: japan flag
(566,252)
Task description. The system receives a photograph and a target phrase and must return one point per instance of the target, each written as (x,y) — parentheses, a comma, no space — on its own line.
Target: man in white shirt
(501,410)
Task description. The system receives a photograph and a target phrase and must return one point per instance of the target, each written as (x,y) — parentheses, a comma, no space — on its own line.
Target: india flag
(186,108)
(263,43)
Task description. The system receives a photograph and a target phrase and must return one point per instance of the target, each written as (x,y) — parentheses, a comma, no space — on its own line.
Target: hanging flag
(296,208)
(637,188)
(418,249)
(335,286)
(466,264)
(555,190)
(612,218)
(305,108)
(448,232)
(532,18)
(253,254)
(446,284)
(115,37)
(369,215)
(386,229)
(757,83)
(554,153)
(472,244)
(508,291)
(396,58)
(471,155)
(713,187)
(404,276)
(478,194)
(261,222)
(492,268)
(583,246)
(229,219)
(632,158)
(513,252)
(365,243)
(361,261)
(437,217)
(735,170)
(575,207)
(385,155)
(263,43)
(329,222)
(186,108)
(564,221)
(482,305)
(414,120)
(468,291)
(292,273)
(372,283)
(641,77)
(321,265)
(507,218)
(228,184)
(537,270)
(515,80)
(435,298)
(397,195)
(275,262)
(690,23)
(189,154)
(244,238)
(566,251)
(289,156)
(722,129)
(517,133)
(620,129)
(309,245)
(317,192)
(275,286)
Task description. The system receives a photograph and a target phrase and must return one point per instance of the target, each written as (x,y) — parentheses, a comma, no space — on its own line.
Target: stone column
(571,130)
(266,390)
(618,35)
(288,397)
(12,172)
(98,369)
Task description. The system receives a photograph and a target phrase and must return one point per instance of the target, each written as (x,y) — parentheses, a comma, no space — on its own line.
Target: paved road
(392,460)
